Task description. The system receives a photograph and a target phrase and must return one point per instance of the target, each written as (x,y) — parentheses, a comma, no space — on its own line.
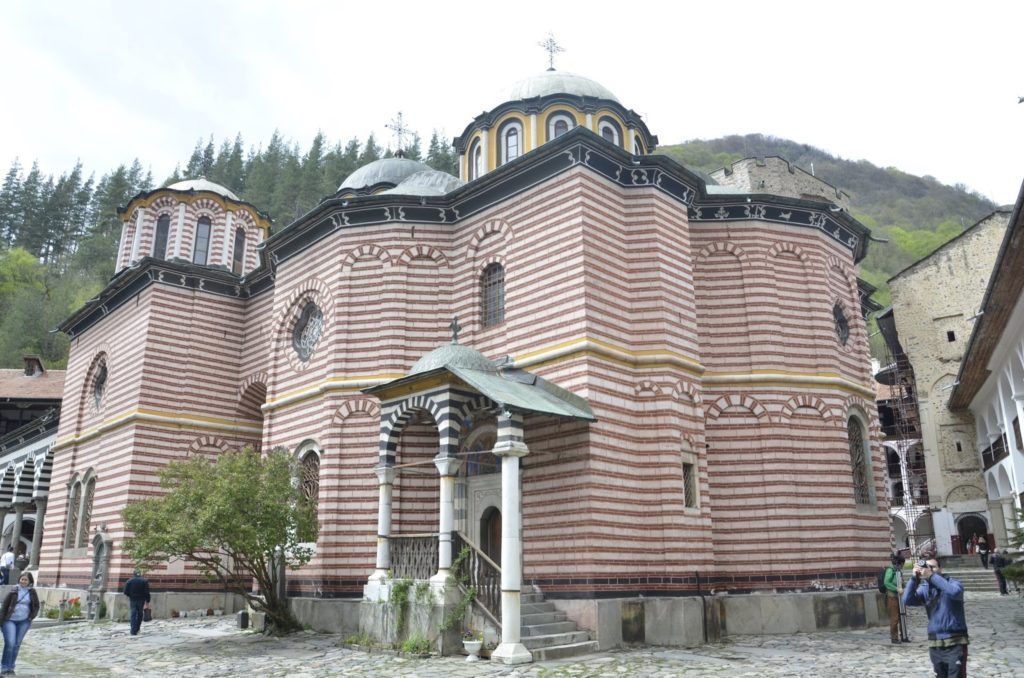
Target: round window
(307,331)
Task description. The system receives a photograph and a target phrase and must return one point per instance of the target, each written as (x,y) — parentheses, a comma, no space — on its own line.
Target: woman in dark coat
(20,607)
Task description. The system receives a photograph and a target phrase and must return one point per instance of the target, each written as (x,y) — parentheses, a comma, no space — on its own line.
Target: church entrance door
(490,534)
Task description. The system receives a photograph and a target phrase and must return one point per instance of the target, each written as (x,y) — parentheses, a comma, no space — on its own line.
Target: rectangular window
(202,248)
(950,335)
(689,485)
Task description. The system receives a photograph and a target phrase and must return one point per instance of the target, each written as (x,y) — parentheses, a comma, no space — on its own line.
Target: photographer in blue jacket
(943,600)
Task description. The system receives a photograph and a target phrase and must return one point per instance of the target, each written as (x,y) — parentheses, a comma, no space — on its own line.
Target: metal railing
(481,573)
(413,556)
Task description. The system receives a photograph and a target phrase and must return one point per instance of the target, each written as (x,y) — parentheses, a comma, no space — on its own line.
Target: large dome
(558,82)
(202,184)
(384,171)
(453,355)
(427,182)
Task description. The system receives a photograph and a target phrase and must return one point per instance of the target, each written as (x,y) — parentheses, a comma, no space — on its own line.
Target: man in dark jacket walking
(137,590)
(999,561)
(943,600)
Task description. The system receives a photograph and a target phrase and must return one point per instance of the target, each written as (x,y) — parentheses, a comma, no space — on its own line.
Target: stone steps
(547,633)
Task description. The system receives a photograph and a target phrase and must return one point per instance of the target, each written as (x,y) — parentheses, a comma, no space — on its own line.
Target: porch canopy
(449,383)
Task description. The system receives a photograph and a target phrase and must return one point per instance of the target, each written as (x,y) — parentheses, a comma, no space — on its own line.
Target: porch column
(510,447)
(386,480)
(448,468)
(4,542)
(37,534)
(19,515)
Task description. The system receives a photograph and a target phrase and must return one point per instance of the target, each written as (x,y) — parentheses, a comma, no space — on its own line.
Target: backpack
(881,580)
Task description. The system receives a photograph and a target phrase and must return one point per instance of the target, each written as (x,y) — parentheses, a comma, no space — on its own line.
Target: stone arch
(787,247)
(488,229)
(647,388)
(355,407)
(722,246)
(212,208)
(8,484)
(811,402)
(684,390)
(44,471)
(205,443)
(422,252)
(992,486)
(964,492)
(366,251)
(311,289)
(25,481)
(746,402)
(398,417)
(252,394)
(1003,481)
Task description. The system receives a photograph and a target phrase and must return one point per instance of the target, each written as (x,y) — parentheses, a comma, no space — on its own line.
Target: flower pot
(473,648)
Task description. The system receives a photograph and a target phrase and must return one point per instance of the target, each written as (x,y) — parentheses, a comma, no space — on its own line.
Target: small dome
(383,171)
(558,82)
(453,355)
(427,182)
(203,184)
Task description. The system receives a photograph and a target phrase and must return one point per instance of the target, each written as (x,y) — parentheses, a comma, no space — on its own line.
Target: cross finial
(398,128)
(455,328)
(552,48)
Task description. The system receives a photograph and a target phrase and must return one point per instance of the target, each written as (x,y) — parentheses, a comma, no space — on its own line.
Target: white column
(19,515)
(386,480)
(590,121)
(484,134)
(179,231)
(631,137)
(448,468)
(463,172)
(121,246)
(137,240)
(534,141)
(510,448)
(228,242)
(37,534)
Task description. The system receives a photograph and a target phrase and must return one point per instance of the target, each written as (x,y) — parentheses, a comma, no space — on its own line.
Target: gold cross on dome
(398,128)
(552,48)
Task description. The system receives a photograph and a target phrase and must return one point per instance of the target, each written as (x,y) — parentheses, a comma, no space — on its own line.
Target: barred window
(309,486)
(492,287)
(859,461)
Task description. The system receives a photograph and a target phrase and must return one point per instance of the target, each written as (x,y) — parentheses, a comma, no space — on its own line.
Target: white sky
(928,87)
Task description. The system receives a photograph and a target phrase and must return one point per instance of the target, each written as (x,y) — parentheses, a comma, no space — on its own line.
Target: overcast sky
(929,87)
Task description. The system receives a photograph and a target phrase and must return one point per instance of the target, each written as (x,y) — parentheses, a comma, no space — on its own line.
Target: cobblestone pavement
(212,647)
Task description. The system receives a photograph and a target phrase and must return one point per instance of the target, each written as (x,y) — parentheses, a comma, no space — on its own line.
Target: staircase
(969,572)
(547,633)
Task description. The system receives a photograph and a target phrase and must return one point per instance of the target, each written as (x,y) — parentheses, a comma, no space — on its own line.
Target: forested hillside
(59,232)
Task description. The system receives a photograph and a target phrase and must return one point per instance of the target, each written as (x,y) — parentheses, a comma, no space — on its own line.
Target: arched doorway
(967,527)
(490,534)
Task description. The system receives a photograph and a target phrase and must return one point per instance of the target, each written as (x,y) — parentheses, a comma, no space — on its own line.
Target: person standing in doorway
(943,599)
(6,562)
(137,590)
(19,609)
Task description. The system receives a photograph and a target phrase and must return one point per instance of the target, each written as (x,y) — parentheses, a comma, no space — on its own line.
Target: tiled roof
(46,386)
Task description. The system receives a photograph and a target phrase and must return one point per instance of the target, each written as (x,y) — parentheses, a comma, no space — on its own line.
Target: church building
(608,375)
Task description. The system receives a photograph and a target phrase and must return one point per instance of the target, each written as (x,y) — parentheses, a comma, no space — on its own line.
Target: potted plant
(472,640)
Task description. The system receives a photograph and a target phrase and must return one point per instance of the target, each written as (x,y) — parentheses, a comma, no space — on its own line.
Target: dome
(202,184)
(427,182)
(558,82)
(385,170)
(453,355)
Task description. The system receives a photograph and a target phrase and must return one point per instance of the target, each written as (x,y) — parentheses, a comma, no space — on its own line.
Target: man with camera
(943,600)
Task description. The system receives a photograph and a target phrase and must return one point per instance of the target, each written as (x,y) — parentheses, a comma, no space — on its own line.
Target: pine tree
(371,152)
(194,167)
(10,205)
(441,155)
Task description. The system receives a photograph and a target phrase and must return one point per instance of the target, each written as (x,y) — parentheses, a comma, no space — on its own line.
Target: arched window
(74,506)
(492,293)
(201,250)
(309,482)
(163,227)
(476,160)
(83,525)
(559,124)
(610,130)
(638,148)
(99,385)
(859,461)
(842,324)
(238,259)
(307,331)
(511,141)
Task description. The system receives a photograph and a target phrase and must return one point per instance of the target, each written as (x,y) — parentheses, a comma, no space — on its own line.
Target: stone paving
(213,647)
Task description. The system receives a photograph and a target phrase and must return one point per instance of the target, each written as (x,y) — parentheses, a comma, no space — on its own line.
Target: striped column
(137,240)
(509,448)
(37,534)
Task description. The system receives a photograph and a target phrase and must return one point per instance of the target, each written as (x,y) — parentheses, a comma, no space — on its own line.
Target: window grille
(310,478)
(492,284)
(858,460)
(842,324)
(74,505)
(689,485)
(307,331)
(83,527)
(99,385)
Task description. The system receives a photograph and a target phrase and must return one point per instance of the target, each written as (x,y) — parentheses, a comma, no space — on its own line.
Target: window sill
(76,553)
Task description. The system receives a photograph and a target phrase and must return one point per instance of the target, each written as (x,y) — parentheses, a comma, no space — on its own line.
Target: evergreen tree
(311,178)
(441,155)
(371,152)
(413,150)
(10,205)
